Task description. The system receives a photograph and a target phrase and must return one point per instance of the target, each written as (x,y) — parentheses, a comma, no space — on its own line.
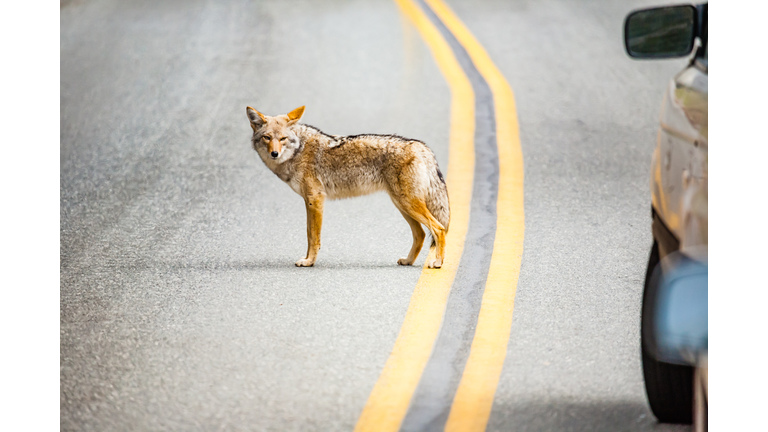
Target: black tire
(669,387)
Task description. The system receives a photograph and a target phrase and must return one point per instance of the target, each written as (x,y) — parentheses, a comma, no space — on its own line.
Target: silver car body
(679,166)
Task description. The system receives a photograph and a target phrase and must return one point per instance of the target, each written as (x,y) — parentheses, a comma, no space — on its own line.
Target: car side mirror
(663,32)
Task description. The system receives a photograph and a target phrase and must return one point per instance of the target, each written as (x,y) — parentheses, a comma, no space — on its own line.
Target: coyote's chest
(289,177)
(294,184)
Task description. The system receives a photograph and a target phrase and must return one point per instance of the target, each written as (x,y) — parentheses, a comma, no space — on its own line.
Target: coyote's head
(273,138)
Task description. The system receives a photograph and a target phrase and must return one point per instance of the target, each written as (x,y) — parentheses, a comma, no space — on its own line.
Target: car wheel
(669,387)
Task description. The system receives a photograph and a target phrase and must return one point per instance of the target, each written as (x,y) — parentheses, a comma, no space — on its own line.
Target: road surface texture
(181,308)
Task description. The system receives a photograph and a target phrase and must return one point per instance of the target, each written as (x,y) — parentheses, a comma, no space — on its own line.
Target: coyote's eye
(266,138)
(283,139)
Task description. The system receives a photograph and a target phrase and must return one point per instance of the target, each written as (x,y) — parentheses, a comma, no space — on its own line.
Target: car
(674,333)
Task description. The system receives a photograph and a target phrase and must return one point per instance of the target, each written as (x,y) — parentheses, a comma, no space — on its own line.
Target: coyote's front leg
(314,204)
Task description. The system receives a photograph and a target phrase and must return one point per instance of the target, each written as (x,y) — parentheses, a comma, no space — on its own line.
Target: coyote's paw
(435,263)
(404,261)
(304,263)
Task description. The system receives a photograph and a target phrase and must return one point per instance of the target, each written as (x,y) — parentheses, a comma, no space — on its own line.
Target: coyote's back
(361,164)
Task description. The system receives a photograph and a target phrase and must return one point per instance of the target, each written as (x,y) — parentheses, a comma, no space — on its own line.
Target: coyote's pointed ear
(295,115)
(257,119)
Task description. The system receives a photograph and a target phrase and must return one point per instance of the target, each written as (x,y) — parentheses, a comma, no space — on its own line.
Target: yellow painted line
(474,398)
(389,400)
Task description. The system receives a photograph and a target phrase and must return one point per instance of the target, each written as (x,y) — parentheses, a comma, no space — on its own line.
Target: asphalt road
(181,308)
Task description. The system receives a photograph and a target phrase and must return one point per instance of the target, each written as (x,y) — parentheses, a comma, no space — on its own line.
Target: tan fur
(319,166)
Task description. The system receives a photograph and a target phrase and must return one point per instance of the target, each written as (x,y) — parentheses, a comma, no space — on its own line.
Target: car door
(680,159)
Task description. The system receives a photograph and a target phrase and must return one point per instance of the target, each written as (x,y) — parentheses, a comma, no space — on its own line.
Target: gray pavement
(588,118)
(180,305)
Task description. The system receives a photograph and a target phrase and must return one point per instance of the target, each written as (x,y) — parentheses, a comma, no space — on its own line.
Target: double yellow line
(391,396)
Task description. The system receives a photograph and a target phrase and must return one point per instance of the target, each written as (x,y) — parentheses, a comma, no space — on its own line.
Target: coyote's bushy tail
(437,199)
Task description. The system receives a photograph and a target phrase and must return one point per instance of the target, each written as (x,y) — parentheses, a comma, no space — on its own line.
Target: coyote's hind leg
(418,240)
(417,209)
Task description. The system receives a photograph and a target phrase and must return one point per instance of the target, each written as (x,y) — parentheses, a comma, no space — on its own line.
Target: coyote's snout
(319,166)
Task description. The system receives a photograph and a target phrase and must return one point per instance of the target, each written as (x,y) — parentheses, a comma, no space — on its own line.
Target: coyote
(319,166)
